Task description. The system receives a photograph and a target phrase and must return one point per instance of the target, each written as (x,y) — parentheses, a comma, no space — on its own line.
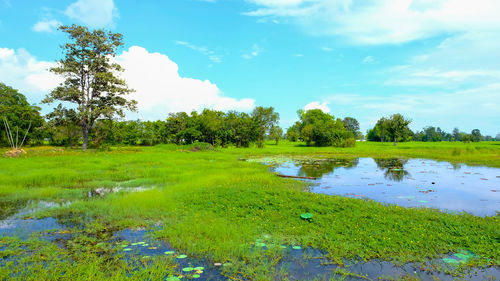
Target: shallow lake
(406,182)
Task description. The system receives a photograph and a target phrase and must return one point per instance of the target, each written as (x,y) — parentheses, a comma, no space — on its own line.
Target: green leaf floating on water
(169,252)
(451,261)
(199,268)
(172,278)
(127,249)
(196,276)
(296,247)
(187,269)
(306,216)
(181,257)
(283,247)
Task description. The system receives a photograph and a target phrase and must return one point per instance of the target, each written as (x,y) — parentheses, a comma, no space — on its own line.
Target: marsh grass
(211,205)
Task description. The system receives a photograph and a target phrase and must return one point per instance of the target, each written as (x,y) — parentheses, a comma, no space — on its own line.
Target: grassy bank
(212,205)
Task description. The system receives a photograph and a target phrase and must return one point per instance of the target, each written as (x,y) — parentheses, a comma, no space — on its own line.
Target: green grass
(214,206)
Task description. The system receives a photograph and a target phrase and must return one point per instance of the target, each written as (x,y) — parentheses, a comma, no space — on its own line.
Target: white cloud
(368,59)
(160,89)
(326,49)
(317,105)
(256,50)
(298,55)
(46,25)
(203,50)
(385,21)
(459,61)
(21,70)
(94,13)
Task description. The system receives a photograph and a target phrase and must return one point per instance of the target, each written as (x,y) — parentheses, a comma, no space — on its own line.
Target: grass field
(212,205)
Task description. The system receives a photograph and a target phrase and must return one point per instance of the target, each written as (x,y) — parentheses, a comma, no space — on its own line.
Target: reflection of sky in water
(456,188)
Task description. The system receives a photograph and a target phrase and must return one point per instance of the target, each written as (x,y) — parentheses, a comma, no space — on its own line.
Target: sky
(435,61)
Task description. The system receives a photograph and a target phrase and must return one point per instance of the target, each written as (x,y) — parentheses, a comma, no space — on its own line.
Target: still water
(405,182)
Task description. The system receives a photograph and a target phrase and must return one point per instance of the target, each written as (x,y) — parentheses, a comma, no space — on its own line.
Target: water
(405,182)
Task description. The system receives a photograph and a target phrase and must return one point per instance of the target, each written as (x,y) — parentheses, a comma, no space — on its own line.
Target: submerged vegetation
(208,204)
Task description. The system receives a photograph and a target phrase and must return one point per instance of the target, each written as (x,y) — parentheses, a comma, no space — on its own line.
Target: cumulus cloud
(46,25)
(23,71)
(317,105)
(384,21)
(94,13)
(160,89)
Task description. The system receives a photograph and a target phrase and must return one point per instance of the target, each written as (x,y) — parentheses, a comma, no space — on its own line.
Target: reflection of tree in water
(393,168)
(10,207)
(319,167)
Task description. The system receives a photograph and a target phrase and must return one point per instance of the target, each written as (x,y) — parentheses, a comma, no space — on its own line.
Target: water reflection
(319,167)
(405,182)
(393,168)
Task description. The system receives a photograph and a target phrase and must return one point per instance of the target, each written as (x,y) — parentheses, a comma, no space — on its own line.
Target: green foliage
(394,128)
(264,118)
(321,129)
(276,134)
(19,113)
(90,81)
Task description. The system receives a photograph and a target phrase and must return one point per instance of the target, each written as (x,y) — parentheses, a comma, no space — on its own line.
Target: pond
(406,182)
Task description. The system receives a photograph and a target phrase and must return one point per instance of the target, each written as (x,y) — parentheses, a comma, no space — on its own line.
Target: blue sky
(437,62)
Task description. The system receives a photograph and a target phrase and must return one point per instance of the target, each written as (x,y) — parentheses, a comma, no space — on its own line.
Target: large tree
(91,81)
(397,125)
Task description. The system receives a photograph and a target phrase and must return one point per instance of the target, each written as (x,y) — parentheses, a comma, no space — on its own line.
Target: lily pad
(196,276)
(169,252)
(199,268)
(306,216)
(187,269)
(127,249)
(296,247)
(181,257)
(172,278)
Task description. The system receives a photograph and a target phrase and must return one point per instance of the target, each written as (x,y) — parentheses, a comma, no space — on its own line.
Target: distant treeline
(62,127)
(381,133)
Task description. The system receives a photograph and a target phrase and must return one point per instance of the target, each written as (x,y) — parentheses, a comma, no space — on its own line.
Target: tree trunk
(395,139)
(85,131)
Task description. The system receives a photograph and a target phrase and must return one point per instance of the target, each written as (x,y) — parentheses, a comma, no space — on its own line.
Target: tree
(475,135)
(63,126)
(276,133)
(456,134)
(397,125)
(19,113)
(322,129)
(497,137)
(351,124)
(90,77)
(293,133)
(264,118)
